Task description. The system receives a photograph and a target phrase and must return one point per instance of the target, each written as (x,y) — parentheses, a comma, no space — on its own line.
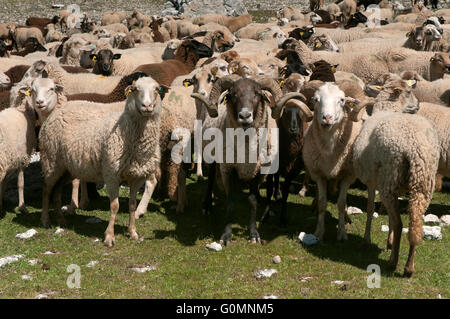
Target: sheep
(5,30)
(236,23)
(290,13)
(315,4)
(187,55)
(397,153)
(52,34)
(21,35)
(348,7)
(210,18)
(103,61)
(112,137)
(437,92)
(219,41)
(159,34)
(116,95)
(81,82)
(246,107)
(322,42)
(433,39)
(113,28)
(327,150)
(112,17)
(17,144)
(245,68)
(31,45)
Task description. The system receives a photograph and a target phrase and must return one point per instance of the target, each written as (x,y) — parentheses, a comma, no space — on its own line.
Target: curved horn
(302,108)
(276,111)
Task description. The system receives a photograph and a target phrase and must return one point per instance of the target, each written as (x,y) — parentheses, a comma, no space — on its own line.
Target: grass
(175,244)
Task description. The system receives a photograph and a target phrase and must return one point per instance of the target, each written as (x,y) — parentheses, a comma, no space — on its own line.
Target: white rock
(276,259)
(96,240)
(384,228)
(9,259)
(307,239)
(405,230)
(430,218)
(41,296)
(445,220)
(48,252)
(270,297)
(59,231)
(337,282)
(143,269)
(33,262)
(375,215)
(351,210)
(214,246)
(27,277)
(432,232)
(93,220)
(28,234)
(92,263)
(265,273)
(306,279)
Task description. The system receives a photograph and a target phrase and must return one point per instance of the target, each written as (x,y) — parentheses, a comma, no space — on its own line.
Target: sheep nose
(244,115)
(203,93)
(328,118)
(39,102)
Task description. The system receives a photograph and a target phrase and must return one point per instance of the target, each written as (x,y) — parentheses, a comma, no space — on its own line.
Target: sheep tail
(420,185)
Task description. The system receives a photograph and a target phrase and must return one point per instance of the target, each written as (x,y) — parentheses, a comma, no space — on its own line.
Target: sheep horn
(276,110)
(302,108)
(221,85)
(211,110)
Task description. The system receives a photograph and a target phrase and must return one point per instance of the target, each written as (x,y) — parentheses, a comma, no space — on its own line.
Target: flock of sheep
(354,96)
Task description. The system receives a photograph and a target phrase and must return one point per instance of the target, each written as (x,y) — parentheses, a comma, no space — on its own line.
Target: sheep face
(44,95)
(103,61)
(202,82)
(293,83)
(431,33)
(290,121)
(355,19)
(417,37)
(4,80)
(244,67)
(441,61)
(399,95)
(222,41)
(219,69)
(436,22)
(329,102)
(230,56)
(289,56)
(324,43)
(3,49)
(271,66)
(144,97)
(202,50)
(85,60)
(245,100)
(302,33)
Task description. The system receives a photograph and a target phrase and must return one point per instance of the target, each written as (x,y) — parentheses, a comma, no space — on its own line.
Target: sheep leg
(134,187)
(322,207)
(285,193)
(390,238)
(276,190)
(229,183)
(306,181)
(74,201)
(84,202)
(49,182)
(150,185)
(254,235)
(113,192)
(394,214)
(181,191)
(207,202)
(370,210)
(409,267)
(20,186)
(58,202)
(342,203)
(269,193)
(2,192)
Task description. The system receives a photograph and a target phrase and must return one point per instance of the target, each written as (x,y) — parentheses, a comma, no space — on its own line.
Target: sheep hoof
(134,235)
(109,241)
(23,210)
(45,223)
(408,272)
(225,239)
(302,193)
(138,214)
(254,237)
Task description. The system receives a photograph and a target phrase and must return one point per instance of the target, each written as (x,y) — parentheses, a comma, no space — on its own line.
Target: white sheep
(110,147)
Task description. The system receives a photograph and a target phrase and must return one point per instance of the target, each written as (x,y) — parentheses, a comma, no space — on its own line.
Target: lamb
(112,137)
(290,13)
(327,150)
(31,45)
(397,153)
(247,108)
(236,23)
(187,56)
(159,34)
(17,144)
(437,92)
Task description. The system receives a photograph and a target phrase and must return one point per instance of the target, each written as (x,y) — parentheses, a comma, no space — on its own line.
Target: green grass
(175,244)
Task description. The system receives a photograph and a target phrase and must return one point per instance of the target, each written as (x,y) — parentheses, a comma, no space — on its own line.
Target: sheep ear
(411,83)
(117,56)
(163,89)
(334,67)
(350,102)
(267,96)
(129,89)
(93,57)
(188,82)
(214,70)
(25,90)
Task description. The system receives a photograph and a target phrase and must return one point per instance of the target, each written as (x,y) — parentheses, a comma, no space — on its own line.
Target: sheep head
(104,61)
(396,95)
(190,51)
(45,95)
(143,97)
(440,62)
(221,41)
